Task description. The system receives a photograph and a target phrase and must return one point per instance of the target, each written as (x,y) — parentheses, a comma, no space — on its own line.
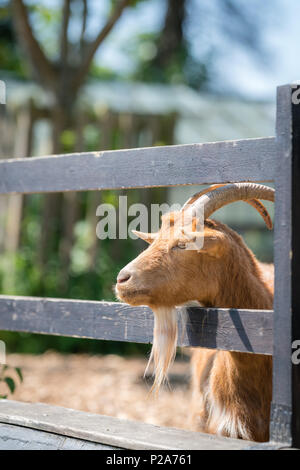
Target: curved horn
(217,196)
(196,196)
(148,237)
(258,205)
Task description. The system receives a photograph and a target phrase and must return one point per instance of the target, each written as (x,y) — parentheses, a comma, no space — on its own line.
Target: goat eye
(180,245)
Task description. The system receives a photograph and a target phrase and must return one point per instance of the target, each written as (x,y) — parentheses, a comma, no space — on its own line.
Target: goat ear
(211,242)
(148,237)
(214,243)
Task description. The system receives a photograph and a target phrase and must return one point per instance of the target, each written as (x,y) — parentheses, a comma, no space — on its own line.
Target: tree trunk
(51,215)
(70,214)
(171,38)
(22,149)
(95,197)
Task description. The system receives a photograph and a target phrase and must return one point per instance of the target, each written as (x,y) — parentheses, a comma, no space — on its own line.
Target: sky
(237,70)
(258,79)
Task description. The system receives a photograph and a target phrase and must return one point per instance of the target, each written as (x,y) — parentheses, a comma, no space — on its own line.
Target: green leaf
(19,372)
(3,397)
(10,383)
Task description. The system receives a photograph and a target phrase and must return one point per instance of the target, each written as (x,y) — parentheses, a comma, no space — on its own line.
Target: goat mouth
(128,295)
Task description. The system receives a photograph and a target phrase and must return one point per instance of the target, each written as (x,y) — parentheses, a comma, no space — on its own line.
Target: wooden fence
(255,331)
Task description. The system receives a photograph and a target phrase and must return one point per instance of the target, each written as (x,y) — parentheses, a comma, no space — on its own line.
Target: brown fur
(231,391)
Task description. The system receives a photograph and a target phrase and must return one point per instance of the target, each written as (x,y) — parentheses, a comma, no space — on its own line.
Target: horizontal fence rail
(217,162)
(228,329)
(107,430)
(249,331)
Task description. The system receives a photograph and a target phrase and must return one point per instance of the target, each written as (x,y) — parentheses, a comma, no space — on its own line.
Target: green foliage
(19,372)
(21,273)
(10,383)
(102,73)
(46,23)
(10,57)
(181,67)
(8,380)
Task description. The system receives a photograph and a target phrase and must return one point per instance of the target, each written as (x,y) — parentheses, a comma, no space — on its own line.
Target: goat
(231,390)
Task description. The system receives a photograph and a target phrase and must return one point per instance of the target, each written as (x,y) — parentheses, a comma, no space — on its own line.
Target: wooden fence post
(285,414)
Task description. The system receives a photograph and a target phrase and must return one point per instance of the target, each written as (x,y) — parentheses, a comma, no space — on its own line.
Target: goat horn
(148,237)
(218,196)
(196,196)
(258,205)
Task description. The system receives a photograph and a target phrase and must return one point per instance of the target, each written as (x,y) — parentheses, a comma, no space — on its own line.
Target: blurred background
(84,75)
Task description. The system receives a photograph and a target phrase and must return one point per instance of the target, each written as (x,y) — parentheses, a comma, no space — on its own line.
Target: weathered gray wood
(295,271)
(281,400)
(110,431)
(229,329)
(285,414)
(218,162)
(269,446)
(14,437)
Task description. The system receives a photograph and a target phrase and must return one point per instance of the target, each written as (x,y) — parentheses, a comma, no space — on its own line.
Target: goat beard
(164,345)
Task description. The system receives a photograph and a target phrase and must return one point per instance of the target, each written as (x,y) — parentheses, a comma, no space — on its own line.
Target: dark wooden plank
(269,446)
(285,415)
(14,437)
(229,329)
(280,428)
(295,321)
(110,431)
(241,160)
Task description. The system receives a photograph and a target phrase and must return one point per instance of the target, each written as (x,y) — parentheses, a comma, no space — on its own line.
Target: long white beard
(164,345)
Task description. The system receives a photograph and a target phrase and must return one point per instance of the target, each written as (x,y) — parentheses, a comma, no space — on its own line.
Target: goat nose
(123,276)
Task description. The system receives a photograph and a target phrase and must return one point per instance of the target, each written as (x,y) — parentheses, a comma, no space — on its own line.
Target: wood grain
(229,329)
(285,413)
(217,162)
(110,431)
(14,437)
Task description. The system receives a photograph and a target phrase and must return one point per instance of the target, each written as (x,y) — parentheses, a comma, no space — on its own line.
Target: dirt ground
(109,385)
